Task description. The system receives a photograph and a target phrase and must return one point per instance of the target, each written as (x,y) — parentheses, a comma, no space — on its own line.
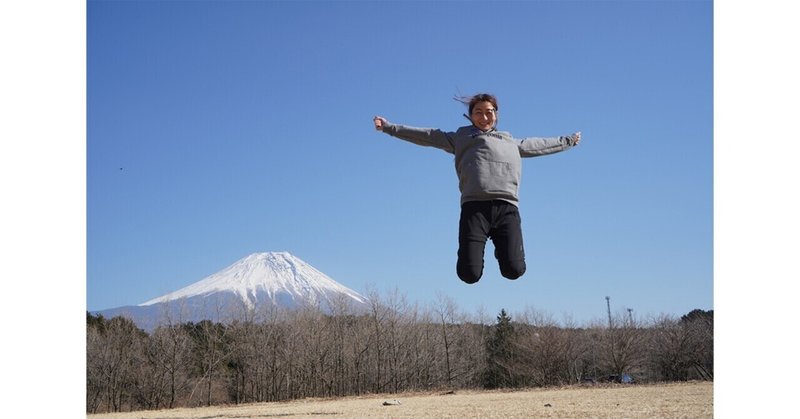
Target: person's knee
(513,270)
(469,274)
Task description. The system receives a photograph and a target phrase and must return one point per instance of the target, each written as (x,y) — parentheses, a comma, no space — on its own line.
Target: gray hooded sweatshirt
(488,164)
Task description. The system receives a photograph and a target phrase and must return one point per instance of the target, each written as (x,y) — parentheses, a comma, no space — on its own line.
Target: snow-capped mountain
(271,279)
(274,276)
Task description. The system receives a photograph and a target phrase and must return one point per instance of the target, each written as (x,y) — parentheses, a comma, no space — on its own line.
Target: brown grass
(678,400)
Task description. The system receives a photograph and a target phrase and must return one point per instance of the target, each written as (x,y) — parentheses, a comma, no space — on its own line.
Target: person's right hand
(379,122)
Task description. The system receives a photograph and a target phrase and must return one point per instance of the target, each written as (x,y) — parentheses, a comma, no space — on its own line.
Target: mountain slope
(255,282)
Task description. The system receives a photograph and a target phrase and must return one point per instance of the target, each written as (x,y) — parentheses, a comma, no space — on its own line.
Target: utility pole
(608,304)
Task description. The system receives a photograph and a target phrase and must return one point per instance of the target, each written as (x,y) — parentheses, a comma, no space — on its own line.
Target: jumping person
(489,166)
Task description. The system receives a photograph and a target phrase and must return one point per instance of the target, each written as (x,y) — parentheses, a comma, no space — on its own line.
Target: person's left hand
(577,137)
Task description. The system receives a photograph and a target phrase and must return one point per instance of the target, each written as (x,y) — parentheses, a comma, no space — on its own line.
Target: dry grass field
(679,400)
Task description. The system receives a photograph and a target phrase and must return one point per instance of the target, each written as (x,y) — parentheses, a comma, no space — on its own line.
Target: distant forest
(275,355)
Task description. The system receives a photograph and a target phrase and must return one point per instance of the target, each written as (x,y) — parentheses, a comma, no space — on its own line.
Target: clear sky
(220,129)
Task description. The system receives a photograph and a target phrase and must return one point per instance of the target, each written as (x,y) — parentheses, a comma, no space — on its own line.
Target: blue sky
(220,129)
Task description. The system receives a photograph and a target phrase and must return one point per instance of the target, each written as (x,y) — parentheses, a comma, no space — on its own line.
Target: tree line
(275,354)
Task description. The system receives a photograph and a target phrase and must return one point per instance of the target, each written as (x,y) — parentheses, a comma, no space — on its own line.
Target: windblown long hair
(471,101)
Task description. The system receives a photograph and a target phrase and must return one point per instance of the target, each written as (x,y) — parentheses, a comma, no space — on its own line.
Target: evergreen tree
(500,354)
(697,314)
(97,322)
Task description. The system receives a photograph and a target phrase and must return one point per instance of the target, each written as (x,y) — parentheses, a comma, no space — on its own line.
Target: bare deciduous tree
(548,351)
(113,349)
(623,346)
(681,349)
(275,354)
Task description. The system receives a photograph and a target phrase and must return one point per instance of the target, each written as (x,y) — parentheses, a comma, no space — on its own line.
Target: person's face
(484,115)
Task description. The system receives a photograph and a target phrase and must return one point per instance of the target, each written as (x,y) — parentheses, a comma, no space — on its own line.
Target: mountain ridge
(258,280)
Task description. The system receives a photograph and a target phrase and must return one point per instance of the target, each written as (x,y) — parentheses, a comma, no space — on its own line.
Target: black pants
(498,220)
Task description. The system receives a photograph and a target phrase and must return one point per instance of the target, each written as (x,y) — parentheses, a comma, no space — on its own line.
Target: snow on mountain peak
(265,275)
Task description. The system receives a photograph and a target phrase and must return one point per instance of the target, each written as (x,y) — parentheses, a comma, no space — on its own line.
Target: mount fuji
(255,282)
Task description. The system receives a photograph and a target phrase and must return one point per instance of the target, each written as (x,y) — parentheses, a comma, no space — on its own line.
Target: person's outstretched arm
(540,146)
(429,137)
